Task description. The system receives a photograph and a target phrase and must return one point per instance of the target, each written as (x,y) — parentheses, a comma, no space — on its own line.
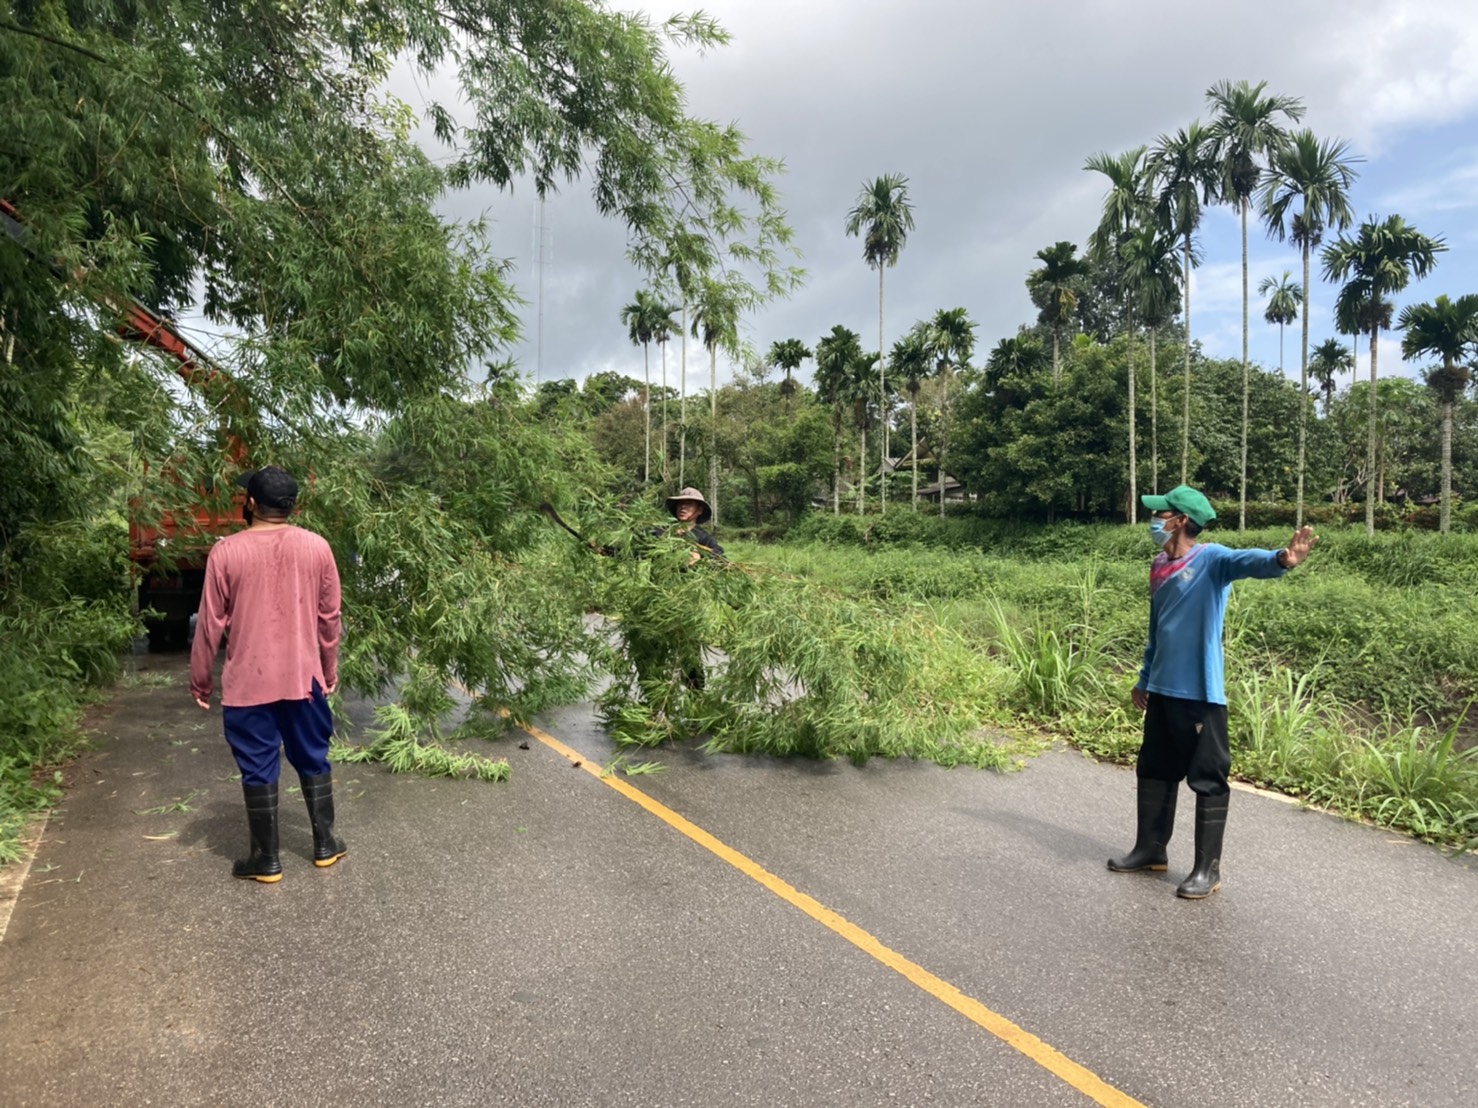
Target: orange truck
(168,556)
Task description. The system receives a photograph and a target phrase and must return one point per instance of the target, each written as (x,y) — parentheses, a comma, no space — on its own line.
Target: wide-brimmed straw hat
(696,497)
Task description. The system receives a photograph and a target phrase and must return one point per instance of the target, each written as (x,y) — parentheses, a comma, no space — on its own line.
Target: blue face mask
(1158,534)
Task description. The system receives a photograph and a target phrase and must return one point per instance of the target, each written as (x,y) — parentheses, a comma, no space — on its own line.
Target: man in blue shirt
(1182,689)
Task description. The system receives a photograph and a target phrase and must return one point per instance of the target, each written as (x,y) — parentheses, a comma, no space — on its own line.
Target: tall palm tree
(1187,178)
(1152,273)
(952,342)
(1448,329)
(1128,199)
(861,375)
(1244,134)
(661,335)
(1357,313)
(1126,209)
(1283,304)
(1347,327)
(788,354)
(911,363)
(715,323)
(1381,259)
(1053,289)
(1315,174)
(1328,360)
(884,217)
(643,316)
(836,354)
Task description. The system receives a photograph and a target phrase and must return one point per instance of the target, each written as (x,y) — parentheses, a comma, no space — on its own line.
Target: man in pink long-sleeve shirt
(276,589)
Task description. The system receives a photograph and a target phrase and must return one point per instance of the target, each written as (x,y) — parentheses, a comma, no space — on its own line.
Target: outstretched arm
(1233,565)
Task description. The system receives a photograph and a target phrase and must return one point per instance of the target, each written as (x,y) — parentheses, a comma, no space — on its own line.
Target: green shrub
(1056,671)
(64,620)
(830,530)
(904,525)
(919,574)
(1274,720)
(42,686)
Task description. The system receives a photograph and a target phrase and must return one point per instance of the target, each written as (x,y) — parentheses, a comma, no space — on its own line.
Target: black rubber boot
(1156,822)
(318,794)
(261,819)
(1211,825)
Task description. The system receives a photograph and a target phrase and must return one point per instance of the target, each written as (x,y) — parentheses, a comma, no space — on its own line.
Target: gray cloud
(990,109)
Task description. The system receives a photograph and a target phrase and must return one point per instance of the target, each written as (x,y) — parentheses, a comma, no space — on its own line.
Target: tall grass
(1277,720)
(1418,780)
(1056,669)
(1333,673)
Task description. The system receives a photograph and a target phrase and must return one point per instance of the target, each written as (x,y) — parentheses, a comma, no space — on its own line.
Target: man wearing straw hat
(690,509)
(1181,687)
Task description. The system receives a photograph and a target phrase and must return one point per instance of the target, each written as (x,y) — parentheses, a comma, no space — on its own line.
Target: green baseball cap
(1185,500)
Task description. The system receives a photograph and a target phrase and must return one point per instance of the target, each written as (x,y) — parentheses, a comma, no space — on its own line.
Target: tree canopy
(248,165)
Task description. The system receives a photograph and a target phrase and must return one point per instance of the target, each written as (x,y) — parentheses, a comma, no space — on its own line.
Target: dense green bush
(74,566)
(63,637)
(830,530)
(65,616)
(921,574)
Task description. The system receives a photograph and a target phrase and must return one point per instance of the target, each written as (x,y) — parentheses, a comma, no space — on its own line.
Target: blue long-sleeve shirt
(1188,603)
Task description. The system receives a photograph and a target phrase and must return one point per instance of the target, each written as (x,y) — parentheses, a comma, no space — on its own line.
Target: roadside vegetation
(1349,681)
(62,647)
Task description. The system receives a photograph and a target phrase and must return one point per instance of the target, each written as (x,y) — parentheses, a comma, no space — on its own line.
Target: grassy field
(1348,680)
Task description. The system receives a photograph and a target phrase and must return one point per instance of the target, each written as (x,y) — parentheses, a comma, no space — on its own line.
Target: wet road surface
(555,941)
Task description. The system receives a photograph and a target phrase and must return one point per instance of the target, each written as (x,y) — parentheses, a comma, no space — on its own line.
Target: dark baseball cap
(271,487)
(1185,500)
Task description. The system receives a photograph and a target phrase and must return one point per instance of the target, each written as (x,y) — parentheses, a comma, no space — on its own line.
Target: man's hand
(332,685)
(693,558)
(1141,698)
(1298,547)
(204,704)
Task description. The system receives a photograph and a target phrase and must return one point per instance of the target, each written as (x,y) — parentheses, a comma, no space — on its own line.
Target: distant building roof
(932,489)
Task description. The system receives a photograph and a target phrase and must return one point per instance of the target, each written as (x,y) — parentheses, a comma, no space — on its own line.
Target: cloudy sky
(989,109)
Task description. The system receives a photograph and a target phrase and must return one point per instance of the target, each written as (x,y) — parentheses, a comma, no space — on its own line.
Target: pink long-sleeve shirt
(277,590)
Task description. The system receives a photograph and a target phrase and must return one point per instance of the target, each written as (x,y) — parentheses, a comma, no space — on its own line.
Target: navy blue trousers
(259,733)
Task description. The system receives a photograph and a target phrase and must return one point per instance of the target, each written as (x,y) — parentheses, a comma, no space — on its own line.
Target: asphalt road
(550,941)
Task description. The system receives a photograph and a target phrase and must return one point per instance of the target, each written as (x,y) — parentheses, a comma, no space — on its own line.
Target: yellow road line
(1081,1079)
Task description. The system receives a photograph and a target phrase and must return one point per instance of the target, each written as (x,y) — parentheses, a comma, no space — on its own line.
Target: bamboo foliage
(178,155)
(791,668)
